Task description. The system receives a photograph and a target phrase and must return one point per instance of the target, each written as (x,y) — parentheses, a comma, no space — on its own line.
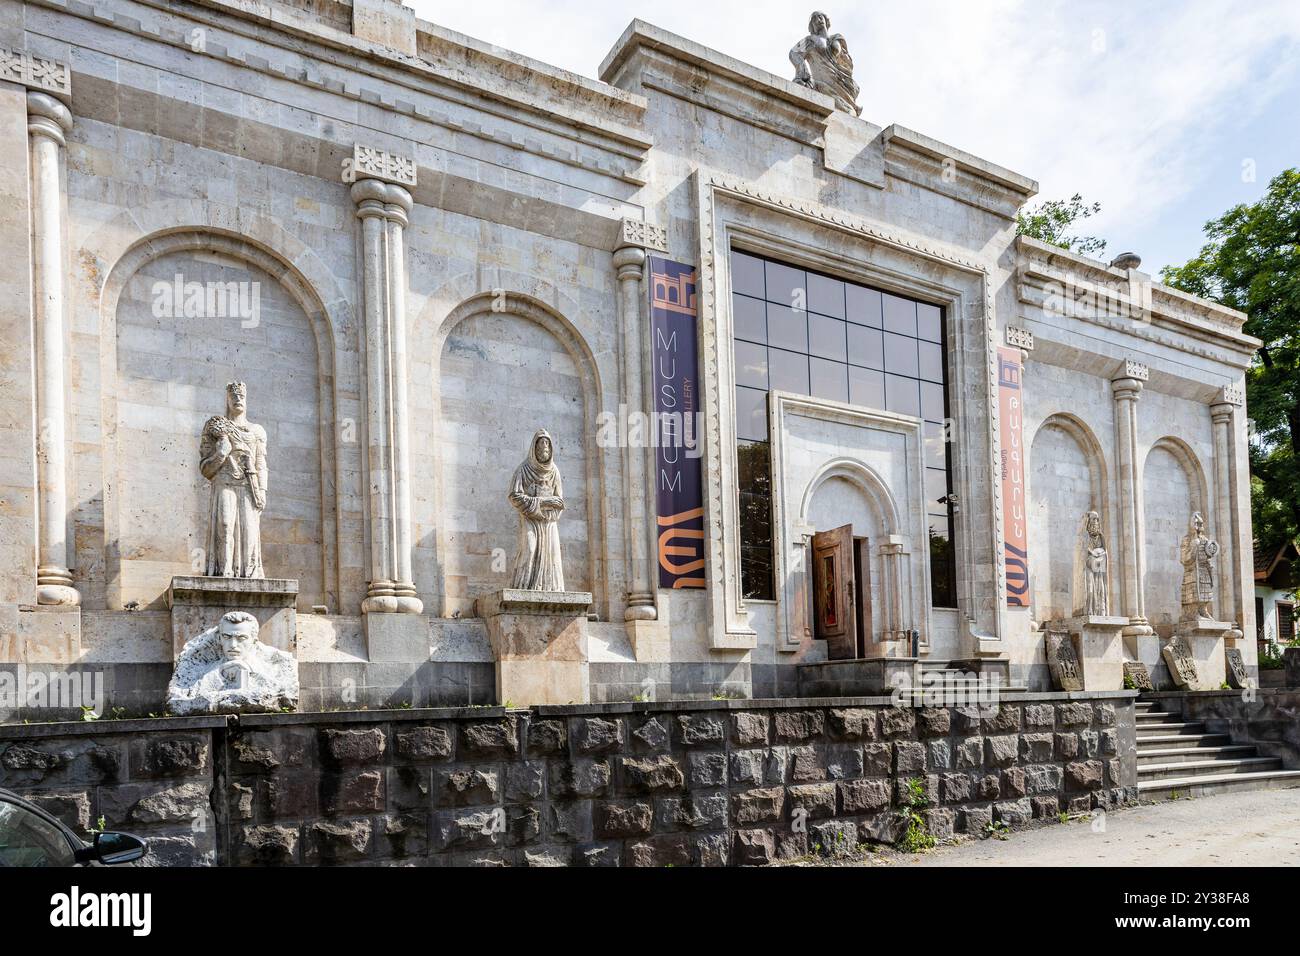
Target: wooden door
(834,593)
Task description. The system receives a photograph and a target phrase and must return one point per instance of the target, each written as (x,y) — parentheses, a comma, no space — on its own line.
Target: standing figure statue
(1091,574)
(232,455)
(1197,554)
(538,495)
(822,63)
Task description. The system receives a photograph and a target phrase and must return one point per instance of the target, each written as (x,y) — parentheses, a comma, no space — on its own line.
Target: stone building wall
(219,141)
(707,783)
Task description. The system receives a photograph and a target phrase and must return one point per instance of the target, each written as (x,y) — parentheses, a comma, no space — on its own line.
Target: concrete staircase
(1177,759)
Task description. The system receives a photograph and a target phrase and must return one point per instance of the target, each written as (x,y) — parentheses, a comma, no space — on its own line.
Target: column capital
(1221,412)
(628,261)
(46,116)
(1127,389)
(374,197)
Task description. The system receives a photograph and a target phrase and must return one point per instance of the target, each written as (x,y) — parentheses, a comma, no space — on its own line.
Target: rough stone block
(757,806)
(864,796)
(898,722)
(1001,751)
(352,747)
(853,723)
(466,788)
(815,799)
(797,725)
(707,770)
(596,735)
(618,821)
(753,847)
(652,774)
(423,743)
(700,730)
(934,721)
(490,738)
(748,729)
(1036,747)
(267,845)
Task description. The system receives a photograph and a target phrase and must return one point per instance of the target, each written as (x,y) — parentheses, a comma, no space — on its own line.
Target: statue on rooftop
(822,63)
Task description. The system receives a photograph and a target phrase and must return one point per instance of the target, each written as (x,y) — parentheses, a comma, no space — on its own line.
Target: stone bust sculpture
(1197,554)
(822,63)
(232,455)
(1091,575)
(227,670)
(537,493)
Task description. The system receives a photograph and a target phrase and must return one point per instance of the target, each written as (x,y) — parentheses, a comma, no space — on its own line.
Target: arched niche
(1066,478)
(164,369)
(1173,487)
(504,365)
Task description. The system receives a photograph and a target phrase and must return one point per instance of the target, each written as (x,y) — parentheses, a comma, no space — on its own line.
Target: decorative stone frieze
(645,235)
(39,73)
(369,162)
(1018,338)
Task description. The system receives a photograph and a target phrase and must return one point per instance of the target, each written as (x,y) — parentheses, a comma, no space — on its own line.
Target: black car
(31,837)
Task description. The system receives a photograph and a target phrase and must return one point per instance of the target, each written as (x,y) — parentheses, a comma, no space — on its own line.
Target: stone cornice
(315,54)
(1127,301)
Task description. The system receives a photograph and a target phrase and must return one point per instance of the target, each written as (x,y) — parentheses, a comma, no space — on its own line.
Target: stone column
(1127,389)
(629,260)
(1223,416)
(47,121)
(382,208)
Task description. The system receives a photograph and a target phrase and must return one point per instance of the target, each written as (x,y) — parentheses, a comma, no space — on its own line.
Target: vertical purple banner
(679,491)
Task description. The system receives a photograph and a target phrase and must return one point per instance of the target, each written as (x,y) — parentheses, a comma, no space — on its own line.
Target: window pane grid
(800,331)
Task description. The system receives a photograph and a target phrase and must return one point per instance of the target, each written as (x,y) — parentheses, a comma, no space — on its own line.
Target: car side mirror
(111,848)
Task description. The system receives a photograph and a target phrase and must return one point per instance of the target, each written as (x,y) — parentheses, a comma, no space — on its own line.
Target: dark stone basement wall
(710,783)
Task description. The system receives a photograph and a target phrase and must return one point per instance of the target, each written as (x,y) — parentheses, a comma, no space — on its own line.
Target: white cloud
(1128,103)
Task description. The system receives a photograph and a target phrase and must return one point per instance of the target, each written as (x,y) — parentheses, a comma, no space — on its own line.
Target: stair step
(1226,783)
(1184,740)
(1210,768)
(1186,754)
(1170,727)
(1145,716)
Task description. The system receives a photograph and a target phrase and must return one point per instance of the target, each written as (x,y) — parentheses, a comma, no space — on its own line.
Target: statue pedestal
(1099,644)
(198,603)
(1204,640)
(539,642)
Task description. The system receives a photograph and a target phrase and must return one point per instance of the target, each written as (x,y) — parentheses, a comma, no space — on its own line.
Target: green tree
(1051,221)
(1252,263)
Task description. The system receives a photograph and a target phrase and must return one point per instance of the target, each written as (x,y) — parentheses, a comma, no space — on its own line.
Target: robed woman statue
(538,495)
(822,63)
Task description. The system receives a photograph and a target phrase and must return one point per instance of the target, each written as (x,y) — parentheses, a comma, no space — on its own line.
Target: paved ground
(1232,829)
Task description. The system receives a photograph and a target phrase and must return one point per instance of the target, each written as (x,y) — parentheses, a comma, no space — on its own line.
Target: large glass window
(812,334)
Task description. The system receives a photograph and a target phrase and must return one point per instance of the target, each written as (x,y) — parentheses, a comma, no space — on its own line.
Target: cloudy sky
(1166,111)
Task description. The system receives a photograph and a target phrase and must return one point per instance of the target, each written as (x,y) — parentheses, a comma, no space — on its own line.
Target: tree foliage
(1051,221)
(1251,262)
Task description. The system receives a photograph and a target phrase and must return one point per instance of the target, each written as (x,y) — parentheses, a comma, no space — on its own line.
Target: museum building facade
(824,421)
